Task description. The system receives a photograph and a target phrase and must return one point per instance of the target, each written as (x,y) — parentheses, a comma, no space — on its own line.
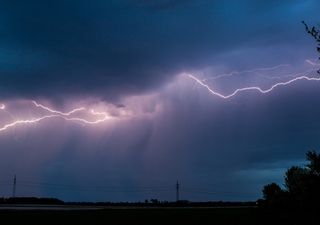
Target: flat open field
(164,216)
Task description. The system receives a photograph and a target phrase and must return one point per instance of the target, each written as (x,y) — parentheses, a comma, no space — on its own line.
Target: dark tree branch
(315,33)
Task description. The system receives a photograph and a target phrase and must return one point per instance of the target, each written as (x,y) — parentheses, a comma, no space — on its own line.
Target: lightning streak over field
(68,116)
(92,117)
(244,89)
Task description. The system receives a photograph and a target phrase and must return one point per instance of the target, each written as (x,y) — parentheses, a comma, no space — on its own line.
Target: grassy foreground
(163,216)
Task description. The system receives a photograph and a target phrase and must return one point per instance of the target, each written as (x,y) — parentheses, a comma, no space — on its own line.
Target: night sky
(141,121)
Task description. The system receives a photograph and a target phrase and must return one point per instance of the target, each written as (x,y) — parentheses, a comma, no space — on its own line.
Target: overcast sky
(130,59)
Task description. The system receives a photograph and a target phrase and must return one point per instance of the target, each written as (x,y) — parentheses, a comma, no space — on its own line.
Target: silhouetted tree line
(302,187)
(157,203)
(146,203)
(31,200)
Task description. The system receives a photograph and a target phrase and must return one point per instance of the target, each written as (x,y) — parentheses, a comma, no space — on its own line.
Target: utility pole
(177,190)
(14,186)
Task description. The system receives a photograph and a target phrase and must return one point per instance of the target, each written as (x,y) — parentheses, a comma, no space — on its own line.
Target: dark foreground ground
(163,216)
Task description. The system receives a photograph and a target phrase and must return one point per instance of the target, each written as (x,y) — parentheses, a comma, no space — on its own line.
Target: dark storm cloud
(111,48)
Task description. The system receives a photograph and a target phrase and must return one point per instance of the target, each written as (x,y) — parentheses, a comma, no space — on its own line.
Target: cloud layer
(110,49)
(129,56)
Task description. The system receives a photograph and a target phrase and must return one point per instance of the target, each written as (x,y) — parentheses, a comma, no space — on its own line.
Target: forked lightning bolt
(81,114)
(255,88)
(18,122)
(307,72)
(69,116)
(232,73)
(58,112)
(79,119)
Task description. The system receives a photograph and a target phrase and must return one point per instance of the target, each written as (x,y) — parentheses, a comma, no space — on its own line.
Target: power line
(121,189)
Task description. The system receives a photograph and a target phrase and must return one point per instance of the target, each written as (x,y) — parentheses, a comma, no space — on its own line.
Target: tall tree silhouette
(302,186)
(270,191)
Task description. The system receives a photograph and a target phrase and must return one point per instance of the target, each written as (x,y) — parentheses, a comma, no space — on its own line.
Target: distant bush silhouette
(271,190)
(302,186)
(274,196)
